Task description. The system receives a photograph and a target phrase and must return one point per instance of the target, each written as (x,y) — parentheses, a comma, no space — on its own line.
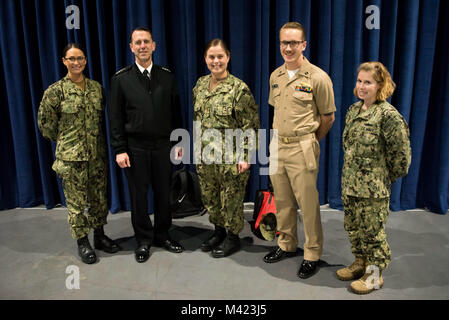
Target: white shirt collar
(291,73)
(142,68)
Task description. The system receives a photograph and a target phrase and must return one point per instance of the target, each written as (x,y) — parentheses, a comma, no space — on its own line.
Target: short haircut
(381,76)
(217,42)
(139,29)
(294,25)
(72,45)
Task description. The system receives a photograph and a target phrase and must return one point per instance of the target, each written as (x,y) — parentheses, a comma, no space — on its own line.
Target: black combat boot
(230,245)
(215,240)
(85,251)
(102,242)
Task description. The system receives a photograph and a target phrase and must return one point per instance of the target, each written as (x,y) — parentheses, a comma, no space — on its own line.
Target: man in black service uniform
(144,109)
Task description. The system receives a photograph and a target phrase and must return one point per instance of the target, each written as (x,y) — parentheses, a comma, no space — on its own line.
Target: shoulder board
(123,70)
(166,69)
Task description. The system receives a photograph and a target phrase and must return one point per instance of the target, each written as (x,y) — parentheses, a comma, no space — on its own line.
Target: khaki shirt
(377,150)
(299,102)
(73,118)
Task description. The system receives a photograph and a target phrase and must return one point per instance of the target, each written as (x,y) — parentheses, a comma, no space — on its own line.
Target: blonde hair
(381,76)
(294,25)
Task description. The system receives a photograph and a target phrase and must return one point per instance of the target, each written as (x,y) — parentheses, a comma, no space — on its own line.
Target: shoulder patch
(123,70)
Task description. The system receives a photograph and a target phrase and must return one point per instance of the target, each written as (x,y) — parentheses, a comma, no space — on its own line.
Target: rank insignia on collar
(303,89)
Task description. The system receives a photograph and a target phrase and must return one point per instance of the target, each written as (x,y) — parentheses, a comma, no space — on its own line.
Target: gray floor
(36,249)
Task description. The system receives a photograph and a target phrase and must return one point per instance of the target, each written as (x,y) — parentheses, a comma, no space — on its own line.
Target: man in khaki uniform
(303,100)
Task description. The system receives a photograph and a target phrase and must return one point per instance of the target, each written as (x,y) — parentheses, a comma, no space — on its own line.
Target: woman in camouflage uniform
(222,101)
(377,152)
(71,113)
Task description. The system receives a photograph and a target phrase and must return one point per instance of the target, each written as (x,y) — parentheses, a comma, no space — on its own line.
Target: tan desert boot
(353,272)
(368,283)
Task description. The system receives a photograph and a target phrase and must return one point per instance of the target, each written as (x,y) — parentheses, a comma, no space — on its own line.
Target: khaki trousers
(294,181)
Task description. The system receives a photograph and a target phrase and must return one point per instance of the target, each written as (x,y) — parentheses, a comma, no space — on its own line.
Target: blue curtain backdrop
(412,42)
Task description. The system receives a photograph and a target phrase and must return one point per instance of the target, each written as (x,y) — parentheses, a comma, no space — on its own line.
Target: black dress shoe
(142,253)
(169,245)
(102,242)
(307,269)
(215,240)
(277,255)
(229,246)
(85,251)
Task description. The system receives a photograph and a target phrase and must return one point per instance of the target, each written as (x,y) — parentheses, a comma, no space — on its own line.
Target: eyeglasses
(73,59)
(293,44)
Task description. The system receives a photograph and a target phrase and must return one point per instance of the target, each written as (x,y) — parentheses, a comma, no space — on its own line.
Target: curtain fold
(410,43)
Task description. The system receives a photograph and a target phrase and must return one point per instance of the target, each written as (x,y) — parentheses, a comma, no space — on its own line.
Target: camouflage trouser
(365,220)
(84,184)
(222,191)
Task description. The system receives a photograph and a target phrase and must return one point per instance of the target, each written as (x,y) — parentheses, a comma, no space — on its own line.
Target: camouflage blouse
(73,118)
(229,106)
(377,150)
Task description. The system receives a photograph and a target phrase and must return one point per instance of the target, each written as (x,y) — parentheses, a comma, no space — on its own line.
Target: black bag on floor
(185,194)
(264,221)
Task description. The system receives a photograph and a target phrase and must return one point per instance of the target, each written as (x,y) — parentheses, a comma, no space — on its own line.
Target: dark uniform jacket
(139,116)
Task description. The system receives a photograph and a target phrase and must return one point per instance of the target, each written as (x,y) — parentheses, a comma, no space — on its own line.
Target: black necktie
(147,80)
